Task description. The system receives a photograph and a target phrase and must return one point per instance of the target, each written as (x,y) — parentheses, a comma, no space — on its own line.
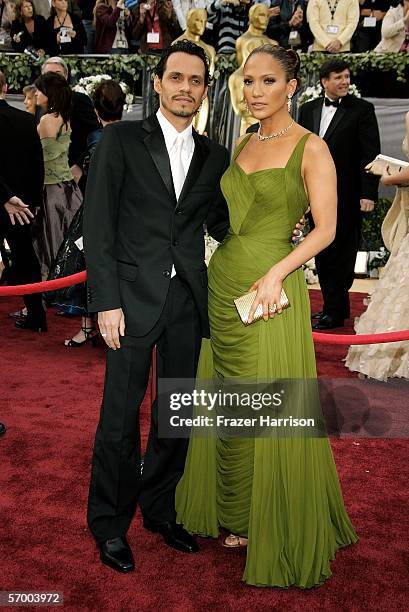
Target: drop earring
(289,100)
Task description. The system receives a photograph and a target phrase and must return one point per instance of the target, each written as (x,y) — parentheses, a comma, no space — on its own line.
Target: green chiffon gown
(281,493)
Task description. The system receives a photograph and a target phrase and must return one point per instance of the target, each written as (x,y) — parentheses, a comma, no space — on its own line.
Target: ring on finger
(271,309)
(104,335)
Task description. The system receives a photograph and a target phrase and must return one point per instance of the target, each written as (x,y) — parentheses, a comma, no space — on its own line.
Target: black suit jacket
(353,140)
(21,159)
(83,122)
(134,229)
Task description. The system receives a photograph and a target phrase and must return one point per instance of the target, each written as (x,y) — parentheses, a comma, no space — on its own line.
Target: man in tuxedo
(152,185)
(349,127)
(21,187)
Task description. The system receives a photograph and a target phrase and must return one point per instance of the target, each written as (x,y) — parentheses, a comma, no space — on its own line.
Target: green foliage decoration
(22,70)
(371,226)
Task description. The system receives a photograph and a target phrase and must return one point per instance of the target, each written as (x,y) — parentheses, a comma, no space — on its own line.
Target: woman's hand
(72,33)
(388,177)
(268,289)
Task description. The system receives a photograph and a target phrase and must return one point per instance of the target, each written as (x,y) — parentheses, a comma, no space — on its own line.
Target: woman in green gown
(280,496)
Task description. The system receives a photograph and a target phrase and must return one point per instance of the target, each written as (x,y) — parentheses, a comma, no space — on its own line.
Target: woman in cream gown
(388,308)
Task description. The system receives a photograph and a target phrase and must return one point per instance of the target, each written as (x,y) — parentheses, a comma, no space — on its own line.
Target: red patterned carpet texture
(50,398)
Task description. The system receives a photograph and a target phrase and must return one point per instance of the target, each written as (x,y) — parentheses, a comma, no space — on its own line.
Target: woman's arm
(320,180)
(106,15)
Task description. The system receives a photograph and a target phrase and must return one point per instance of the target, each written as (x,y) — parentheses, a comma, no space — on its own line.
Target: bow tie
(329,102)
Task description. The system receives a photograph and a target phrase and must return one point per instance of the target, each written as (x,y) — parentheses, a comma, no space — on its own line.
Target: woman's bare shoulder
(315,145)
(49,125)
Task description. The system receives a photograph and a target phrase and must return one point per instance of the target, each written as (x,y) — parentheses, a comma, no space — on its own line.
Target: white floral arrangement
(87,85)
(311,93)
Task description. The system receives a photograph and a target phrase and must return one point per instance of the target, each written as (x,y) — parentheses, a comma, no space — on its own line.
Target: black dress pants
(335,267)
(116,481)
(25,268)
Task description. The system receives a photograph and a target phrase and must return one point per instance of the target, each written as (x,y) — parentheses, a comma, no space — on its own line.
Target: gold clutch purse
(245,302)
(381,162)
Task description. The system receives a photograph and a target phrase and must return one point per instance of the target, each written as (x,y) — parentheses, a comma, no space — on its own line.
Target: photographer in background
(156,25)
(289,26)
(6,19)
(65,32)
(28,29)
(112,27)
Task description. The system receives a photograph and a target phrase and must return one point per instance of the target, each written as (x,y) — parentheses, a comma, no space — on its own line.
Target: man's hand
(367,205)
(112,325)
(298,231)
(76,173)
(19,211)
(334,46)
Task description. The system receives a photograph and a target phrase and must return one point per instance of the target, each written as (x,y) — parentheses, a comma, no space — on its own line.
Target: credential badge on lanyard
(332,28)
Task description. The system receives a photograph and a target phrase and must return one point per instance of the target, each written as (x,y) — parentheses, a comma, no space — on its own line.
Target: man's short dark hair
(183,46)
(335,65)
(3,81)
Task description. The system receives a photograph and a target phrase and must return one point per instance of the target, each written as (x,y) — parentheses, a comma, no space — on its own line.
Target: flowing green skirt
(281,493)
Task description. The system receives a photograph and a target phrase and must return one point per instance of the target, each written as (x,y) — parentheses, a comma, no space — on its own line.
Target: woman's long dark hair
(59,94)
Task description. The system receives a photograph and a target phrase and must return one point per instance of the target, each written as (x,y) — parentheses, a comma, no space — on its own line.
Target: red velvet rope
(322,338)
(395,336)
(52,285)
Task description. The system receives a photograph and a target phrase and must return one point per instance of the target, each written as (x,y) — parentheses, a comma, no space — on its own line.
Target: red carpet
(50,399)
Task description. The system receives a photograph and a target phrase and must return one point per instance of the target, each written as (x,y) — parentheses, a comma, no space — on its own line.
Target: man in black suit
(21,187)
(152,185)
(349,127)
(83,121)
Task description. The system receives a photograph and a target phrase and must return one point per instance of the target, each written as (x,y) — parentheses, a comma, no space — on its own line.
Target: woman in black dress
(65,33)
(28,29)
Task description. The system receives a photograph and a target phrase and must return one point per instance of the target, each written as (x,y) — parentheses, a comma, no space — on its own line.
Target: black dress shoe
(31,325)
(327,322)
(317,315)
(117,554)
(174,535)
(2,429)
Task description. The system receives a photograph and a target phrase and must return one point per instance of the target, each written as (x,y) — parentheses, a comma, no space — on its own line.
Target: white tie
(178,169)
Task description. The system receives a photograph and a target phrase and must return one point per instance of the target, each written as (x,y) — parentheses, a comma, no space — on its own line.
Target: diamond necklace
(274,134)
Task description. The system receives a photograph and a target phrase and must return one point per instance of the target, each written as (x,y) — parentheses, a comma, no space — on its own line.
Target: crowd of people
(60,130)
(128,26)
